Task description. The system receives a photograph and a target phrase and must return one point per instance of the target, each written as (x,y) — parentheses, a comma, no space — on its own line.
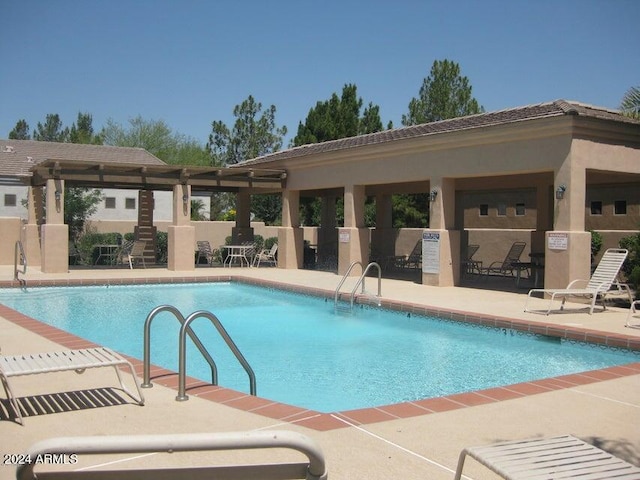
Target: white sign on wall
(345,237)
(558,241)
(431,252)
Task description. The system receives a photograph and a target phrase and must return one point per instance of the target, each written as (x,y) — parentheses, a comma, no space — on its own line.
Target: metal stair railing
(344,278)
(360,282)
(185,329)
(19,259)
(182,360)
(146,362)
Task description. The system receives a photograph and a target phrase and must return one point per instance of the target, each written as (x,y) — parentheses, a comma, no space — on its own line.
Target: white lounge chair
(564,457)
(64,360)
(311,468)
(596,288)
(266,256)
(137,253)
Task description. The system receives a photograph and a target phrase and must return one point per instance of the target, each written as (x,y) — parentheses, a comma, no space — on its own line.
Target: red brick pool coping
(329,421)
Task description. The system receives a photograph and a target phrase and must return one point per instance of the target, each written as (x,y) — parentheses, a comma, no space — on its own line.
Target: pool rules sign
(430,252)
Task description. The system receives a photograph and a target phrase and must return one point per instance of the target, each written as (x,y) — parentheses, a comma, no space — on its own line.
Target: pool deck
(416,440)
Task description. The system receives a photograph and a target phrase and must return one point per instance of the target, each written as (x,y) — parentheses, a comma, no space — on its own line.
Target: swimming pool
(305,354)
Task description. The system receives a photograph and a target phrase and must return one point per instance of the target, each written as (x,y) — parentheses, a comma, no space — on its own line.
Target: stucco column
(568,246)
(440,242)
(31,230)
(383,236)
(55,234)
(290,235)
(327,234)
(353,238)
(181,234)
(242,232)
(544,220)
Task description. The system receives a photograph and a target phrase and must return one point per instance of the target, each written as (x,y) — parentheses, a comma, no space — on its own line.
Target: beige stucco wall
(10,228)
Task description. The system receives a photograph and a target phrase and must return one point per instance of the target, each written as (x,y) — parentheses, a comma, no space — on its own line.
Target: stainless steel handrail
(182,356)
(344,278)
(362,279)
(19,253)
(147,344)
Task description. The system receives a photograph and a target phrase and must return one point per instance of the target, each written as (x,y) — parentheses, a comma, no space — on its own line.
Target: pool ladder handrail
(19,255)
(185,329)
(361,281)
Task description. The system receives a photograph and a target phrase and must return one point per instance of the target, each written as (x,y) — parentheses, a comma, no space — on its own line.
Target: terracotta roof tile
(512,115)
(18,156)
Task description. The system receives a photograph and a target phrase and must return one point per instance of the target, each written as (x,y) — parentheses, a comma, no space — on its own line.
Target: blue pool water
(305,354)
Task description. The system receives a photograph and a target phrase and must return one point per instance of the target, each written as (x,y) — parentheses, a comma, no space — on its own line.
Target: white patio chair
(266,256)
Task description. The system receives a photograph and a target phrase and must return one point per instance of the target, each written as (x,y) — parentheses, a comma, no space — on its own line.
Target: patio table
(237,253)
(107,251)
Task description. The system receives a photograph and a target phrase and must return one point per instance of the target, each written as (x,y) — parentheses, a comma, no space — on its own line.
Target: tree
(51,130)
(197,206)
(82,130)
(156,137)
(338,117)
(630,104)
(79,204)
(254,134)
(443,94)
(20,131)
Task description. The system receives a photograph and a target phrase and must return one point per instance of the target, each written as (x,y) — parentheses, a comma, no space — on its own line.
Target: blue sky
(190,62)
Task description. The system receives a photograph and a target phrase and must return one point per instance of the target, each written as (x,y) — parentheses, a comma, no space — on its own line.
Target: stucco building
(545,174)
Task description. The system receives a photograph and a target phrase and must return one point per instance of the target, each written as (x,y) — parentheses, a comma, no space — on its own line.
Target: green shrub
(631,267)
(162,247)
(87,242)
(268,243)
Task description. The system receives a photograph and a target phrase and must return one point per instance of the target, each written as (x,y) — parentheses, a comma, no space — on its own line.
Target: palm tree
(197,206)
(630,104)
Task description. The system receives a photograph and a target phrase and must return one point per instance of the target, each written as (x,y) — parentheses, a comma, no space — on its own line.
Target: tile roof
(18,156)
(550,109)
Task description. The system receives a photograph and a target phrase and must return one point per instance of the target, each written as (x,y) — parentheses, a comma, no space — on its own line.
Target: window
(130,203)
(502,209)
(596,208)
(520,210)
(110,202)
(620,207)
(10,200)
(484,210)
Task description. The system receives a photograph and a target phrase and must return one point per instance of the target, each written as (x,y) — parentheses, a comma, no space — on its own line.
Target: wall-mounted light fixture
(58,194)
(560,191)
(433,194)
(185,198)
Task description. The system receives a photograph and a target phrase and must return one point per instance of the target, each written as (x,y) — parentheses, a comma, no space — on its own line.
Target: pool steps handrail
(361,281)
(146,363)
(19,259)
(182,360)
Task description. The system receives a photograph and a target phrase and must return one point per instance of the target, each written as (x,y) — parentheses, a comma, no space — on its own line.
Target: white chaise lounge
(595,289)
(64,360)
(312,468)
(563,457)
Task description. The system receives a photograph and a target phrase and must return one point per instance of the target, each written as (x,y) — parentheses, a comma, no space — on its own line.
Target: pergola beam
(156,177)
